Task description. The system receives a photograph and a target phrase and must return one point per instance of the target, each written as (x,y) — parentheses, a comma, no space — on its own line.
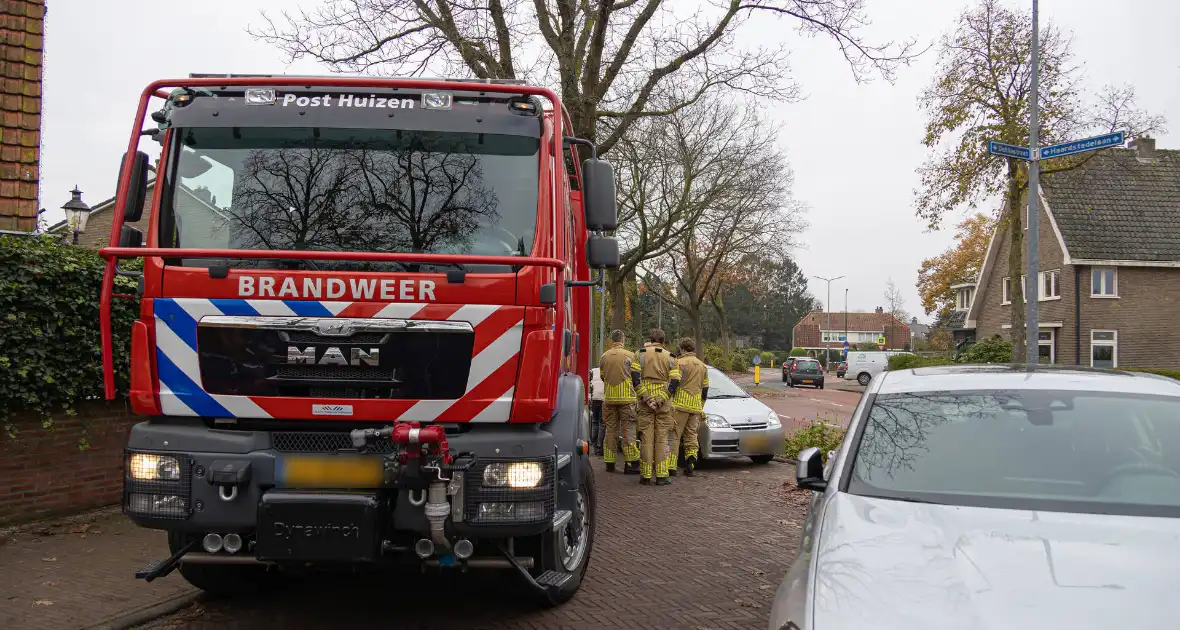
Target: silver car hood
(738,410)
(890,565)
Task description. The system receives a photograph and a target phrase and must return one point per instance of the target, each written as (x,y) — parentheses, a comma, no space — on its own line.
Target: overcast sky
(854,148)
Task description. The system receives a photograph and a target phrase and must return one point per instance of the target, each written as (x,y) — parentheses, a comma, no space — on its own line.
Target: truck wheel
(863,378)
(223,580)
(571,552)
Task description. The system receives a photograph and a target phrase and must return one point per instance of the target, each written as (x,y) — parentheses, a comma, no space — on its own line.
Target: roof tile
(1118,207)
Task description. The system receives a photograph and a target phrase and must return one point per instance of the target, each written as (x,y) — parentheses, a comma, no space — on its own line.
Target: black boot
(610,467)
(631,468)
(645,480)
(671,472)
(663,481)
(690,464)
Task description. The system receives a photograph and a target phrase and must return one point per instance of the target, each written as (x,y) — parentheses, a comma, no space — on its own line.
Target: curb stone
(150,612)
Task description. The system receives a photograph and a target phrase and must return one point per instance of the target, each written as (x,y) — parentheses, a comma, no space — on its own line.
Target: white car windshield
(720,386)
(1024,449)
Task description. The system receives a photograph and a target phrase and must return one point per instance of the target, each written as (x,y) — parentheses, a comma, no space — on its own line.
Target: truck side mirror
(598,195)
(130,237)
(602,252)
(137,189)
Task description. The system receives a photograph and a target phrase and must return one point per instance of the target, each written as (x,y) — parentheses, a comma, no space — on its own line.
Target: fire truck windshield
(323,189)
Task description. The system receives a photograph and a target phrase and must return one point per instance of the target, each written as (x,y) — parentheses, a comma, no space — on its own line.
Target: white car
(737,424)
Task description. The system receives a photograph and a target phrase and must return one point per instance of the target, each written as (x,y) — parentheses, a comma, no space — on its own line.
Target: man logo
(333,356)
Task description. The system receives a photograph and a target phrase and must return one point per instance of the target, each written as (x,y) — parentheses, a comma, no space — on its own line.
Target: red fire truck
(364,337)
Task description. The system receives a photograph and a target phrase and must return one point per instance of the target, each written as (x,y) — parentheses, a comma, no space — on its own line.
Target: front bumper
(726,443)
(192,504)
(798,379)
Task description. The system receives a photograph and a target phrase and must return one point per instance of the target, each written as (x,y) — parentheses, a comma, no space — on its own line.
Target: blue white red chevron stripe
(490,384)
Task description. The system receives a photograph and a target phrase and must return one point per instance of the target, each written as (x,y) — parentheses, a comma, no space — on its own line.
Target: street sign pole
(1032,283)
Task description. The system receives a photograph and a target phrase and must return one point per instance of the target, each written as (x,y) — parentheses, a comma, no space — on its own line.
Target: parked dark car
(841,369)
(805,371)
(789,365)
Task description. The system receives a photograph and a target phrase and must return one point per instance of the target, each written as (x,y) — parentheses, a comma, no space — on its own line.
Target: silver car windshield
(720,386)
(1024,449)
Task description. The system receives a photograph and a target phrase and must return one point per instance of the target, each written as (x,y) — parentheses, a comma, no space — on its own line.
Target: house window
(963,299)
(1049,287)
(1007,296)
(1104,282)
(1104,348)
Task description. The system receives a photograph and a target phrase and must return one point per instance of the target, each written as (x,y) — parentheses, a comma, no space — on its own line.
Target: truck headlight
(149,467)
(716,422)
(513,475)
(772,421)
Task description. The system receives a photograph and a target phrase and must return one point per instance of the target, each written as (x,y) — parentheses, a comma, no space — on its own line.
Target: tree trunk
(1015,266)
(616,284)
(723,320)
(693,310)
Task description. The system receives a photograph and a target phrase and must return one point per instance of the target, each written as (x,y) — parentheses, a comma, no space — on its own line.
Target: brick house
(812,332)
(194,208)
(1109,277)
(21,29)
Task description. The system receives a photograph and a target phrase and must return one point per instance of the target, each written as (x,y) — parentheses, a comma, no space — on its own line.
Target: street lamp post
(828,308)
(77,212)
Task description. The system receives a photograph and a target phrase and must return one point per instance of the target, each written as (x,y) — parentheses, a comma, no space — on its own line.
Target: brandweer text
(334,288)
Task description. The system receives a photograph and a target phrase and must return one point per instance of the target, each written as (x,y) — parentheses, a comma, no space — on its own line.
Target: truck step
(554,579)
(157,569)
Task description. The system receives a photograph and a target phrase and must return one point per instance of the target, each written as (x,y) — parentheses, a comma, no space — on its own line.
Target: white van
(863,366)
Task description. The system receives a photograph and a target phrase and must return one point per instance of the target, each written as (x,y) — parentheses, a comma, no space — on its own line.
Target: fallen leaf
(766,587)
(43,602)
(80,529)
(759,572)
(48,559)
(49,584)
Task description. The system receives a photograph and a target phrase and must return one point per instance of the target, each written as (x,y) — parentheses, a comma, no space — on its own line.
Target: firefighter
(688,407)
(660,378)
(619,372)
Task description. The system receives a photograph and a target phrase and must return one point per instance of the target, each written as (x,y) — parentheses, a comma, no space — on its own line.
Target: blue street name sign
(1008,150)
(1079,146)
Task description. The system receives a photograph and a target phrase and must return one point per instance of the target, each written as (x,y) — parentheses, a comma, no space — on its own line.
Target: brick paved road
(706,552)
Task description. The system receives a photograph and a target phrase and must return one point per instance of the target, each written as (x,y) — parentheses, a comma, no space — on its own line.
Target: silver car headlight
(716,422)
(772,421)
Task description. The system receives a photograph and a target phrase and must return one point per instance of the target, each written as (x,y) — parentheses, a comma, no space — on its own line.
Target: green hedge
(50,349)
(798,352)
(909,361)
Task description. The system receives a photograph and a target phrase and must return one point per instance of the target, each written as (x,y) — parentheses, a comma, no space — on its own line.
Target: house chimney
(880,309)
(1144,147)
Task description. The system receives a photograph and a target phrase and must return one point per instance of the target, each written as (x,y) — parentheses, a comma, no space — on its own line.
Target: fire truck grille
(322,442)
(291,357)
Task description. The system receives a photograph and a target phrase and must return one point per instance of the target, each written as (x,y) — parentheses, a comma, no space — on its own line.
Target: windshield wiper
(719,396)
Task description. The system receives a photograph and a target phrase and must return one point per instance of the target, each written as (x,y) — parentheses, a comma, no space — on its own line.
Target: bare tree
(896,305)
(670,171)
(615,61)
(755,215)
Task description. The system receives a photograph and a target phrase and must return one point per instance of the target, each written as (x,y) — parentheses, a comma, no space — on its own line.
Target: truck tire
(223,580)
(574,557)
(863,378)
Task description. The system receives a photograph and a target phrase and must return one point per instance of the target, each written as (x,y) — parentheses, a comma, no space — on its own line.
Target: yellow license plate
(757,443)
(807,380)
(339,471)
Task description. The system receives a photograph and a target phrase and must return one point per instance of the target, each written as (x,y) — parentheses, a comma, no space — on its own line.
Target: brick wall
(1144,314)
(44,473)
(21,25)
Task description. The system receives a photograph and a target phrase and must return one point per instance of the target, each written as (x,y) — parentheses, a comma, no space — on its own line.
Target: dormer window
(963,295)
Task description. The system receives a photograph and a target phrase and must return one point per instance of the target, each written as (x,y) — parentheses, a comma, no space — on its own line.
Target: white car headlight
(514,475)
(149,467)
(716,422)
(772,421)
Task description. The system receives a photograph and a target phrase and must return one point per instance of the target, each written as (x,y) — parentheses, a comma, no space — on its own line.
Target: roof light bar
(219,75)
